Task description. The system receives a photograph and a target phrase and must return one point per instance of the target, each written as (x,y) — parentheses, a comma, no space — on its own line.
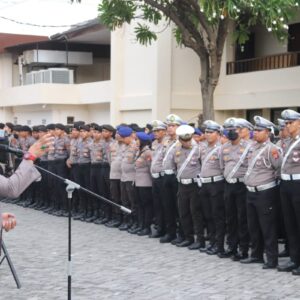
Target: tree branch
(189,38)
(207,28)
(222,35)
(185,12)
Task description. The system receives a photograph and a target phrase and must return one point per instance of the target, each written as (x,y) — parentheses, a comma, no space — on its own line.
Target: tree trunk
(208,101)
(210,72)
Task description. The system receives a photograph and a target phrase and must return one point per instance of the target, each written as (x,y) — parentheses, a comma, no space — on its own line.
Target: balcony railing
(270,62)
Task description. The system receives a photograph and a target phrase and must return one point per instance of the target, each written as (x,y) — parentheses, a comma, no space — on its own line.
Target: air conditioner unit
(46,57)
(58,75)
(29,78)
(39,76)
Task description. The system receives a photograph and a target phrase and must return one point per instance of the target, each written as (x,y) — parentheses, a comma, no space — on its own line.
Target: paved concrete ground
(109,264)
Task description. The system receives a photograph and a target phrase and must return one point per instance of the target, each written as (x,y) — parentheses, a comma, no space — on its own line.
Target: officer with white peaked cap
(185,132)
(283,135)
(289,190)
(157,173)
(261,182)
(158,125)
(282,143)
(230,123)
(242,123)
(290,115)
(187,161)
(234,164)
(262,123)
(212,125)
(212,191)
(173,119)
(170,184)
(281,124)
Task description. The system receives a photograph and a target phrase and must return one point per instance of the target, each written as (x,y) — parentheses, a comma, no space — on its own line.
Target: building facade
(114,79)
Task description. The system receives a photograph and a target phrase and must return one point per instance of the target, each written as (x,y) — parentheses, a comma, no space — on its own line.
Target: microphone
(6,148)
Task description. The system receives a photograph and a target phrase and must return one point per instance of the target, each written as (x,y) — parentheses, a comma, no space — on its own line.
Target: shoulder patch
(275,153)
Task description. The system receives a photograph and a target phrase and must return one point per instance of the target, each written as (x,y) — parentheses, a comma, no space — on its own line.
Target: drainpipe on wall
(20,65)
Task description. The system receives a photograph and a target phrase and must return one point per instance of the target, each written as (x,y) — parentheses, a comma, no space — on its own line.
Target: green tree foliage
(202,25)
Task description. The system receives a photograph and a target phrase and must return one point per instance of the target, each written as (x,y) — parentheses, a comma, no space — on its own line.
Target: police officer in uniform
(245,131)
(35,186)
(234,163)
(282,143)
(187,161)
(212,190)
(198,136)
(128,191)
(95,180)
(261,181)
(72,163)
(110,220)
(61,153)
(25,142)
(143,183)
(289,190)
(51,168)
(115,156)
(42,188)
(284,137)
(170,184)
(158,148)
(84,162)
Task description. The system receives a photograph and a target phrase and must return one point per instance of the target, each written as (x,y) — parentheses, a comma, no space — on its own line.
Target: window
(294,38)
(251,113)
(276,114)
(70,120)
(247,50)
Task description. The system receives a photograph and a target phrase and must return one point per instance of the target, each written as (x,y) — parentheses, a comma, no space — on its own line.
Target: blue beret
(124,131)
(198,131)
(152,137)
(143,136)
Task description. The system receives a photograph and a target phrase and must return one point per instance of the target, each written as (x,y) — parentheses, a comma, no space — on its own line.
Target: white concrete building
(127,82)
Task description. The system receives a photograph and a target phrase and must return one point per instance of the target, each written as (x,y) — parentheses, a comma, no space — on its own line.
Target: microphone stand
(71,187)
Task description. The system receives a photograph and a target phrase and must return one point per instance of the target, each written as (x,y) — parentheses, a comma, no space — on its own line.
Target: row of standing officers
(193,186)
